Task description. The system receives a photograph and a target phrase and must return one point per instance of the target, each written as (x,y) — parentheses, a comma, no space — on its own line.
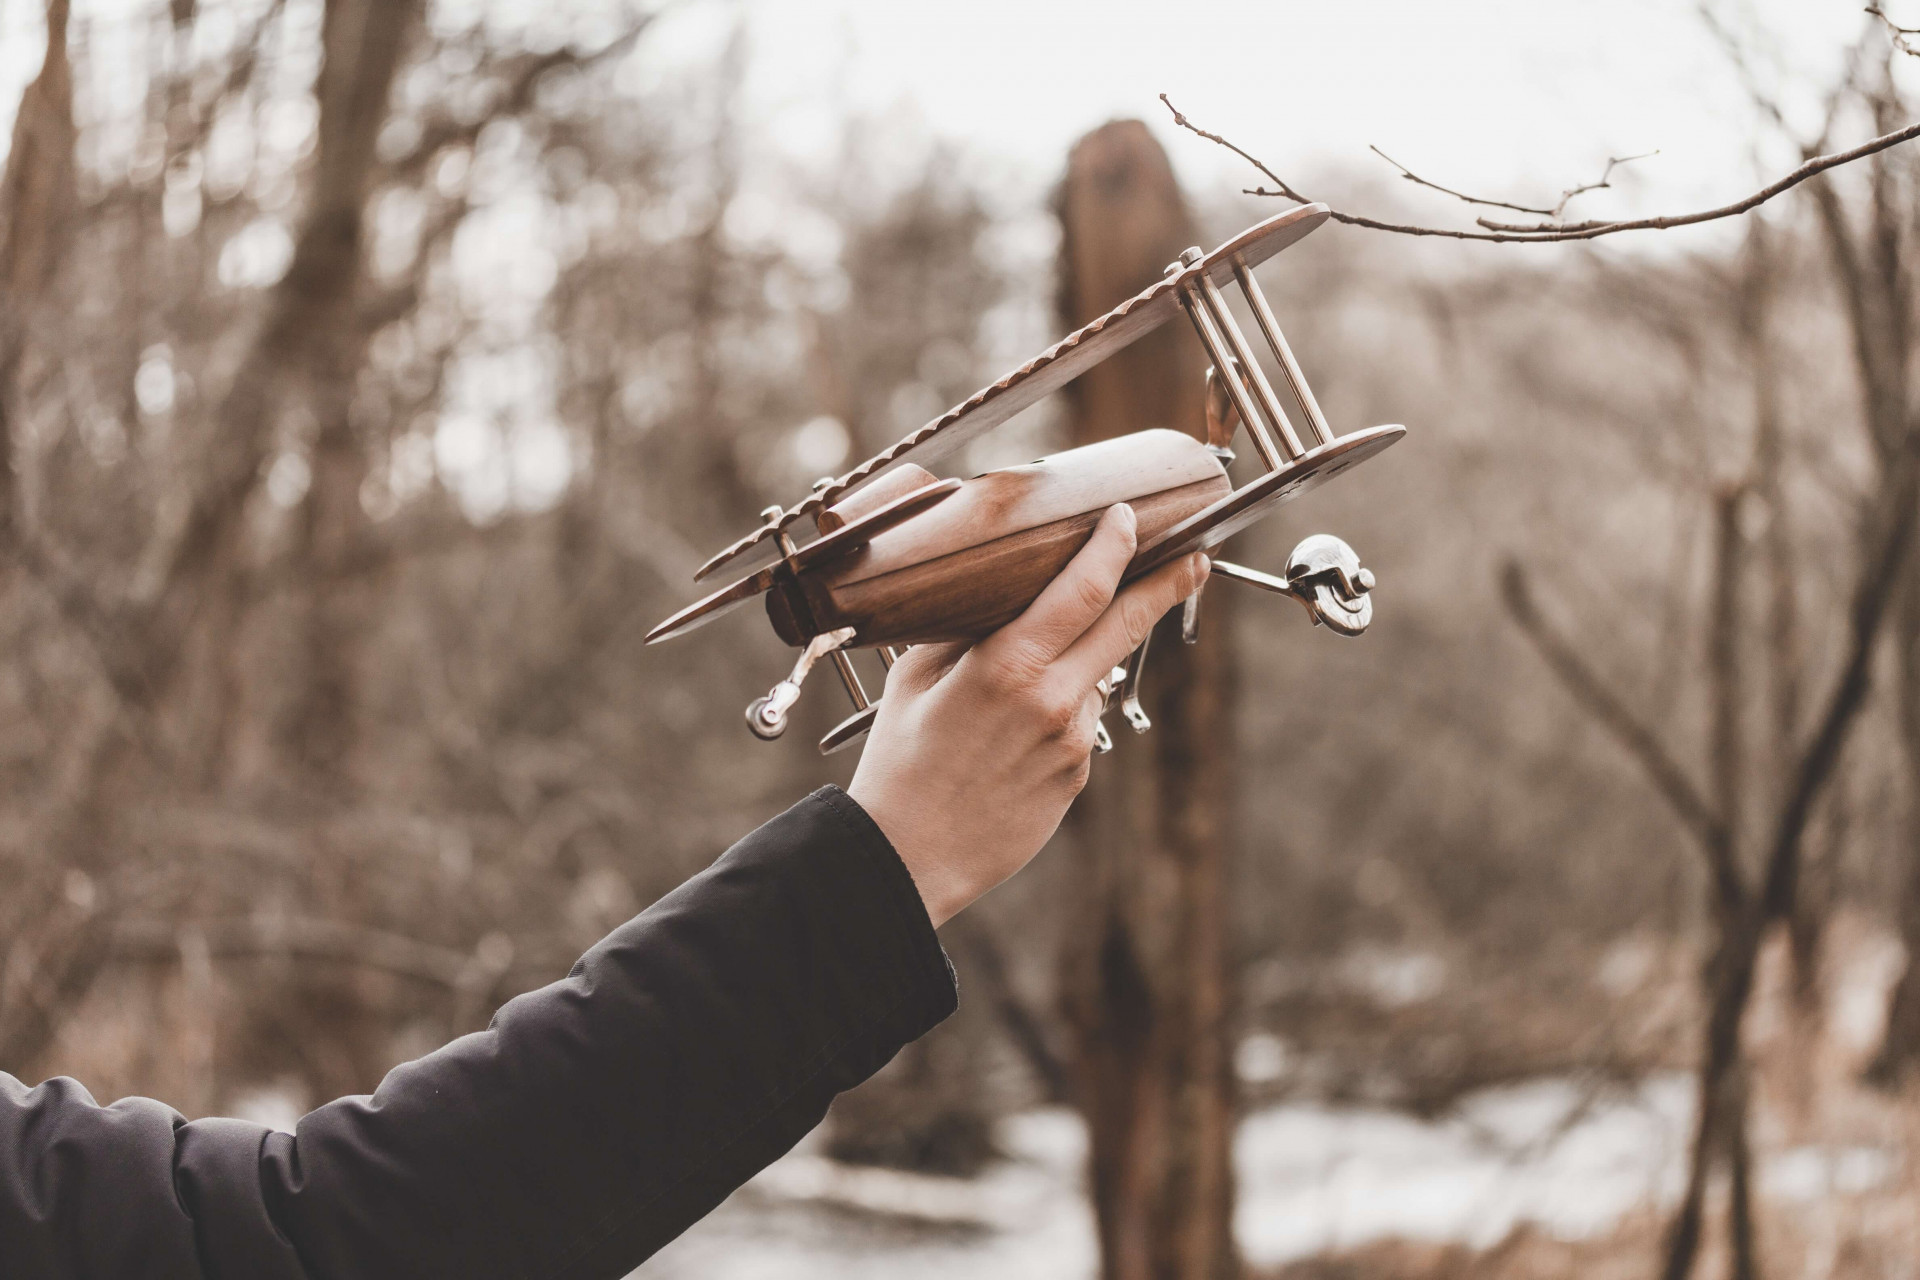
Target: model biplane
(899,558)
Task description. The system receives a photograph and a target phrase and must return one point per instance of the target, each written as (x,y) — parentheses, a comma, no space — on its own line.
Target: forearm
(598,1117)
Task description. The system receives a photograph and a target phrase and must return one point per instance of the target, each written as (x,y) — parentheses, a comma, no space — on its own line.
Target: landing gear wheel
(764,727)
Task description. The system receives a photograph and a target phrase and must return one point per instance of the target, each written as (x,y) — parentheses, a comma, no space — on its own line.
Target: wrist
(944,890)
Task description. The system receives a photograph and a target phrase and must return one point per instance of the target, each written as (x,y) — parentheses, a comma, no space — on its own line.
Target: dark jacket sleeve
(590,1124)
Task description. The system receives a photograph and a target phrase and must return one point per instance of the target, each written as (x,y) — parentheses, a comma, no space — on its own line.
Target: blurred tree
(37,196)
(1146,982)
(49,954)
(1753,854)
(1870,241)
(219,591)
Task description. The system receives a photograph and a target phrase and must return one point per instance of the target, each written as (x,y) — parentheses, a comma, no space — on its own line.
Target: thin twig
(1419,181)
(1555,213)
(1899,34)
(1605,183)
(1549,233)
(1180,119)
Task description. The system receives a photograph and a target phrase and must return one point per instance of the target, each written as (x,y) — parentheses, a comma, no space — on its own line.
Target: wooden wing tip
(705,610)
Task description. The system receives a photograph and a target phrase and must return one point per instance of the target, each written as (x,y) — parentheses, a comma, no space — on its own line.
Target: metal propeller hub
(1327,576)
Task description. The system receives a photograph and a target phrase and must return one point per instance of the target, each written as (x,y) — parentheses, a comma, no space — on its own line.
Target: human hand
(978,750)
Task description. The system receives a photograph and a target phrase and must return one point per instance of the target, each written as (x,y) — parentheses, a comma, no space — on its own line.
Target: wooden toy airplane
(901,558)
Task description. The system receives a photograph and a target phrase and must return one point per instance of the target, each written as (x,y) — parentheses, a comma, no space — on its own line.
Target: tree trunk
(1899,1055)
(1727,978)
(319,737)
(48,948)
(37,195)
(1877,291)
(1146,980)
(1720,1123)
(196,600)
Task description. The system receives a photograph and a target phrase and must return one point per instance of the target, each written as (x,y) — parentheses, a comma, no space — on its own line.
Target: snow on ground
(1313,1177)
(807,1216)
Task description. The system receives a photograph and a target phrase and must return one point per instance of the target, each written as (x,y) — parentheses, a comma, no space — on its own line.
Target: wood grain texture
(1039,493)
(970,592)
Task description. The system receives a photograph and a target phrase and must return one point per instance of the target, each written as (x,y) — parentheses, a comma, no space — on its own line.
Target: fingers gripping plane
(899,558)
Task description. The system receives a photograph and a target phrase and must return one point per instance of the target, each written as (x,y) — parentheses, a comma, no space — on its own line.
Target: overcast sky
(1520,96)
(1514,97)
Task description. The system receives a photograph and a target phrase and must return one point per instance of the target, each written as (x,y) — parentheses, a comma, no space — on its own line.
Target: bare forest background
(375,373)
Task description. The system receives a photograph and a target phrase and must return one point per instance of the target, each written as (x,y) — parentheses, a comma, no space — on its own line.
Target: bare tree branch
(1028,1032)
(1591,692)
(1879,580)
(1728,692)
(522,75)
(1553,232)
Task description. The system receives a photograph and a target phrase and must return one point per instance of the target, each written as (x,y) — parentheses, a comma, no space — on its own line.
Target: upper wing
(1052,369)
